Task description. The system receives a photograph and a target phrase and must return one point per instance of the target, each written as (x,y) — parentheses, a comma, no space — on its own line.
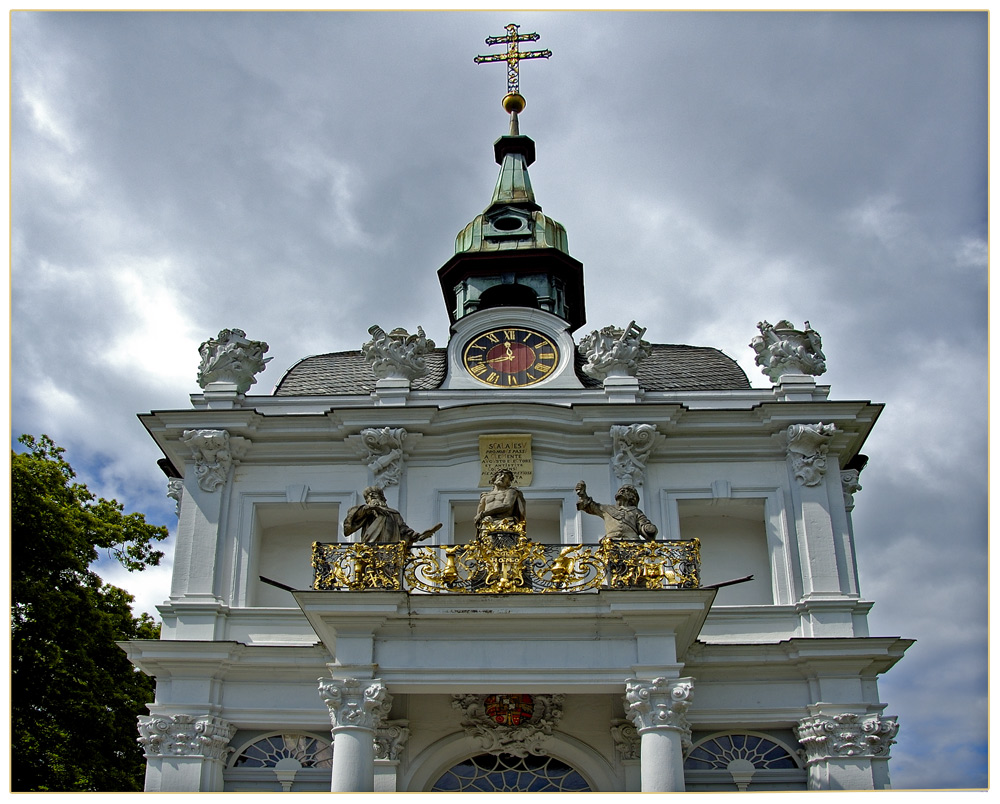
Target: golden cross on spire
(513,55)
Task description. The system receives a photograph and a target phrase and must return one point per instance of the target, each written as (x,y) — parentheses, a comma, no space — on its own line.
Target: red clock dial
(510,357)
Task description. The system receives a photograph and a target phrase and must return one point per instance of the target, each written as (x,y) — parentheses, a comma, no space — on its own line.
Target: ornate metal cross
(513,54)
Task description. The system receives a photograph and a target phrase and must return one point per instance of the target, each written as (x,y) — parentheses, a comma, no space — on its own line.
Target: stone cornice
(757,432)
(807,656)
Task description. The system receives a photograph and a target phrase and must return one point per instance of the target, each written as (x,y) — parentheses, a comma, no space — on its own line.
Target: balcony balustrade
(505,560)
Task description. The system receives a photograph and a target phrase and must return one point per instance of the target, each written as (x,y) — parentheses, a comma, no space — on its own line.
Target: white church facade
(644,577)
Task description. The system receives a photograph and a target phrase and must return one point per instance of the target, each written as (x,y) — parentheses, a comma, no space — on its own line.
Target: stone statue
(380,524)
(621,521)
(503,501)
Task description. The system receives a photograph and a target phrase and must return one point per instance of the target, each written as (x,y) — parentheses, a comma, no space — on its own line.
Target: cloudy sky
(302,176)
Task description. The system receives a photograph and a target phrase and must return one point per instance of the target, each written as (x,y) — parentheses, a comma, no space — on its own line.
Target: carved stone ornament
(828,737)
(175,490)
(849,481)
(353,703)
(214,452)
(807,448)
(631,445)
(390,739)
(659,704)
(397,354)
(614,352)
(626,738)
(231,358)
(782,349)
(511,724)
(203,736)
(384,454)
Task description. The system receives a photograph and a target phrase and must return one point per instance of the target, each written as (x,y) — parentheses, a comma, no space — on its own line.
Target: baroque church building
(537,558)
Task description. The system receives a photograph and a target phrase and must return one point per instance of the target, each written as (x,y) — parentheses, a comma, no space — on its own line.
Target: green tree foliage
(74,694)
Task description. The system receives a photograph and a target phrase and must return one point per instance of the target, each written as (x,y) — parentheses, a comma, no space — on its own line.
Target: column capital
(193,736)
(355,703)
(659,704)
(846,736)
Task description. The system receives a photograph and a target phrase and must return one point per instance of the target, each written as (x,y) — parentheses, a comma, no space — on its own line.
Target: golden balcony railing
(507,561)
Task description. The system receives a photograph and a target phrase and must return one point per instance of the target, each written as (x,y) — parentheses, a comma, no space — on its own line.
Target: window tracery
(506,772)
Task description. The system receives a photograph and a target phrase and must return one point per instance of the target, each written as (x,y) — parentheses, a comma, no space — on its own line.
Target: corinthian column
(658,709)
(356,709)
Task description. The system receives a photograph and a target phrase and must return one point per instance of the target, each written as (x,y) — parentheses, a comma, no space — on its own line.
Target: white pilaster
(846,750)
(185,753)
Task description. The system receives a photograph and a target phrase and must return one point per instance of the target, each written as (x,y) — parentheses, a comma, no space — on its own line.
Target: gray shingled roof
(669,367)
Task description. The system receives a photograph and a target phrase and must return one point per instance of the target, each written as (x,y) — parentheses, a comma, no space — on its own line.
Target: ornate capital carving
(397,354)
(354,703)
(659,704)
(198,736)
(626,739)
(390,739)
(512,724)
(614,352)
(214,452)
(826,737)
(232,359)
(175,490)
(631,445)
(807,448)
(782,350)
(849,481)
(384,454)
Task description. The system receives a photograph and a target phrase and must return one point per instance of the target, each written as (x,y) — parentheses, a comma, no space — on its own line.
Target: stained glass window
(504,772)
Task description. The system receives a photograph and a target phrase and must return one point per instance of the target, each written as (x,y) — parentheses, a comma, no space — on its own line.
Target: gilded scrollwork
(502,560)
(358,566)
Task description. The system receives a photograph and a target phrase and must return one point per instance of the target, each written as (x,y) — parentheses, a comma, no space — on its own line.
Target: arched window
(508,296)
(744,760)
(488,773)
(310,752)
(289,761)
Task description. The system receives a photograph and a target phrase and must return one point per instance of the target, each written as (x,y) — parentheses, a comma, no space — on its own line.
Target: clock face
(510,357)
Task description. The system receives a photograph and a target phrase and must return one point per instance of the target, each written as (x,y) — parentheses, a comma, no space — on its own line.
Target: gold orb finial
(513,103)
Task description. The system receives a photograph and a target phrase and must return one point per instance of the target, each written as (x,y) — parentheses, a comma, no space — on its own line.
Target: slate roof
(669,367)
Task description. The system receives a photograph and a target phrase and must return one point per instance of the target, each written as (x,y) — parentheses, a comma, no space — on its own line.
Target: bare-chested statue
(504,501)
(380,524)
(621,521)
